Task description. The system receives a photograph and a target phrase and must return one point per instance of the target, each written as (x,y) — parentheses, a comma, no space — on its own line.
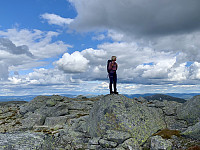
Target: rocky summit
(106,122)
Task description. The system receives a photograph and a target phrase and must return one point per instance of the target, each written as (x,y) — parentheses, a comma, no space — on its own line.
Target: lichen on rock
(117,112)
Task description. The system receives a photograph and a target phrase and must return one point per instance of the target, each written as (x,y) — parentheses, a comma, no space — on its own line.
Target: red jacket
(112,67)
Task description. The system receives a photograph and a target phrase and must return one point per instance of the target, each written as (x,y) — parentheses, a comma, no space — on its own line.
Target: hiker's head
(113,58)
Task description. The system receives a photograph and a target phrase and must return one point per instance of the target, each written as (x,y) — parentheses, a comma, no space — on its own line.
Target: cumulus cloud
(25,49)
(56,19)
(162,25)
(74,63)
(39,42)
(138,17)
(7,45)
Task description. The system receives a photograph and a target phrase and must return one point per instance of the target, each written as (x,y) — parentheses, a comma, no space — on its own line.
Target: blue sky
(62,46)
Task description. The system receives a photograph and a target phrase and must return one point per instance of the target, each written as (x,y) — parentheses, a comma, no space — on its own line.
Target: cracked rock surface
(100,123)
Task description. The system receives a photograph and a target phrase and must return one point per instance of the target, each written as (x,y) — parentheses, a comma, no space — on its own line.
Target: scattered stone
(173,123)
(53,121)
(193,131)
(32,120)
(158,143)
(99,123)
(116,136)
(190,111)
(131,144)
(107,144)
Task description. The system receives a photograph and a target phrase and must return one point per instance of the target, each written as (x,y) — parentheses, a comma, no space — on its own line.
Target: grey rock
(116,136)
(22,141)
(74,138)
(53,121)
(193,131)
(58,110)
(190,111)
(159,104)
(170,107)
(94,141)
(80,105)
(158,143)
(32,120)
(117,112)
(142,100)
(38,102)
(173,123)
(107,144)
(51,103)
(131,144)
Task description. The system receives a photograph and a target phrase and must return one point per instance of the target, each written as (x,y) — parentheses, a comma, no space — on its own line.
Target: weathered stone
(38,102)
(107,144)
(33,119)
(190,111)
(158,143)
(22,141)
(193,131)
(37,128)
(51,103)
(80,105)
(174,124)
(58,110)
(116,136)
(120,148)
(53,121)
(117,112)
(131,144)
(94,141)
(170,107)
(142,100)
(69,136)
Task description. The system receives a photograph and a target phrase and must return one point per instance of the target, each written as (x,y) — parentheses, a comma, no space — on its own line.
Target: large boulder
(193,131)
(119,113)
(40,101)
(190,111)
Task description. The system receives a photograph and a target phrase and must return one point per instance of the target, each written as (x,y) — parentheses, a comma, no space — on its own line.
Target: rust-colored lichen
(167,134)
(194,148)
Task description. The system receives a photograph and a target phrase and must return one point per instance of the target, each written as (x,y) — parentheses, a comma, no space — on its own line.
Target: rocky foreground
(100,123)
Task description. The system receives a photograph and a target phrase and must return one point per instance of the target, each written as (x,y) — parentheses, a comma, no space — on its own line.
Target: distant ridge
(162,97)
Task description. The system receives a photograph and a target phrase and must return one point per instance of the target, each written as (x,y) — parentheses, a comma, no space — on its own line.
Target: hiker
(112,68)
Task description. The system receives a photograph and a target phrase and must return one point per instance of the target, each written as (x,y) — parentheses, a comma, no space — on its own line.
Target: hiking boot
(115,92)
(111,92)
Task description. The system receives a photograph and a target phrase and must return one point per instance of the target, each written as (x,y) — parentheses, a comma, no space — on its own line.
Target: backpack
(108,65)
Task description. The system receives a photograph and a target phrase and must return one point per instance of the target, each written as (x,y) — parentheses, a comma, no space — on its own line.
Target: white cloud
(56,20)
(74,63)
(25,49)
(148,23)
(99,37)
(179,73)
(40,43)
(139,17)
(195,71)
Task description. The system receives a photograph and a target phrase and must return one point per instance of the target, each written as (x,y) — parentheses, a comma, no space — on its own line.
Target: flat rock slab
(22,141)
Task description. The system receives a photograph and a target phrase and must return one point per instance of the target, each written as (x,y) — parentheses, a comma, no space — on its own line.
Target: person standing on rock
(112,68)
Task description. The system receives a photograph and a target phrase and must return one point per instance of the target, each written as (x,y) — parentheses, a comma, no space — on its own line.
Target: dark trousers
(113,81)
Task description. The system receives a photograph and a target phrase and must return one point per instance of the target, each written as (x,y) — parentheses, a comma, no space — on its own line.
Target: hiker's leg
(111,82)
(115,83)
